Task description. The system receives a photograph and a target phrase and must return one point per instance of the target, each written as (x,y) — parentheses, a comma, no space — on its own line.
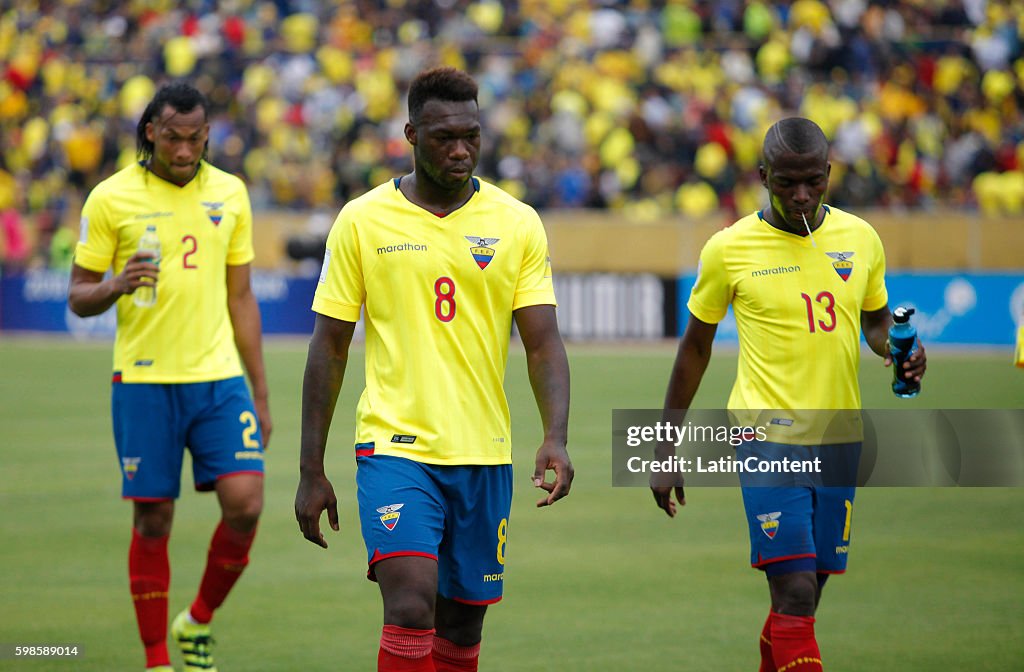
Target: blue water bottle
(902,344)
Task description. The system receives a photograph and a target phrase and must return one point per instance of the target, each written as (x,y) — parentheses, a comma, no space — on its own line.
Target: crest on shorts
(481,250)
(130,465)
(769,523)
(842,264)
(214,210)
(390,515)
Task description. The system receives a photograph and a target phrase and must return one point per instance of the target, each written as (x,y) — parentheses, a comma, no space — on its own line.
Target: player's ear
(763,172)
(410,133)
(150,132)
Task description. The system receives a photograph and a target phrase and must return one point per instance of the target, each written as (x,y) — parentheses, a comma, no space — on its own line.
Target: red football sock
(450,657)
(794,648)
(767,662)
(405,650)
(149,575)
(228,556)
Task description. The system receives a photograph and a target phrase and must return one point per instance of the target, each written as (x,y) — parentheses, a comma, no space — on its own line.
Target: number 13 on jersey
(827,303)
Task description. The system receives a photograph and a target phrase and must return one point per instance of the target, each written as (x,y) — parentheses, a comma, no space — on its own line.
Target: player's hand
(553,457)
(315,494)
(914,367)
(662,485)
(139,271)
(263,415)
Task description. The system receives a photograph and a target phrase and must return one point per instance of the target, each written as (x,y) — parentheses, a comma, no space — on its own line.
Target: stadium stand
(648,108)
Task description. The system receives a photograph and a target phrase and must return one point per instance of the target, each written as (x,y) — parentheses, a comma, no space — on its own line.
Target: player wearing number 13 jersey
(440,263)
(177,380)
(797,303)
(803,279)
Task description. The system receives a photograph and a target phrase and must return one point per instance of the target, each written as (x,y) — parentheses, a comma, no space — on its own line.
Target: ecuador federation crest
(769,523)
(214,210)
(130,466)
(390,515)
(481,250)
(842,264)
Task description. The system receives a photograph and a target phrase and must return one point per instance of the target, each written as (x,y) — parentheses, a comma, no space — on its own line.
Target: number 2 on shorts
(249,420)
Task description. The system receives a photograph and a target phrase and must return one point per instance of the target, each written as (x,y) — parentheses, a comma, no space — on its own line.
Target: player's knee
(798,603)
(153,519)
(410,611)
(244,515)
(795,594)
(459,623)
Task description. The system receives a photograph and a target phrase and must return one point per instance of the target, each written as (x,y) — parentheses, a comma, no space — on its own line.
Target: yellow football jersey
(797,304)
(438,294)
(203,227)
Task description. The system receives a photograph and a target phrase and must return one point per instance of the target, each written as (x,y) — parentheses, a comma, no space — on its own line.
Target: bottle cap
(902,315)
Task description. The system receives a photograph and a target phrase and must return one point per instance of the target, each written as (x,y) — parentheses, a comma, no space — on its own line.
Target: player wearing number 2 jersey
(803,280)
(177,377)
(440,262)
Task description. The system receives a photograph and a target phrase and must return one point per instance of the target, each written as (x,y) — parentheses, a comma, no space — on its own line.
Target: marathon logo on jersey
(403,438)
(842,264)
(481,250)
(778,270)
(143,362)
(390,515)
(214,210)
(130,466)
(402,247)
(769,523)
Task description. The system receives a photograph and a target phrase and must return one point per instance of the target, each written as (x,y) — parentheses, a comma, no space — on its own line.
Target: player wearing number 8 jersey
(177,376)
(440,262)
(803,279)
(440,293)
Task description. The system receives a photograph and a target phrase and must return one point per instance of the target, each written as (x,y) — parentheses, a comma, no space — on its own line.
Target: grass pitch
(601,582)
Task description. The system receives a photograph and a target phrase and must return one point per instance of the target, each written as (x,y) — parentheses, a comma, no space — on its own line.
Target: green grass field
(603,581)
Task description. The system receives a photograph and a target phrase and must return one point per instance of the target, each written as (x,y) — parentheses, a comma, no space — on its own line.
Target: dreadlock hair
(182,97)
(794,135)
(447,84)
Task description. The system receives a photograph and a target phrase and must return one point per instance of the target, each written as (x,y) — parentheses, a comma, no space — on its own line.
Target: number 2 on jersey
(444,306)
(195,246)
(828,302)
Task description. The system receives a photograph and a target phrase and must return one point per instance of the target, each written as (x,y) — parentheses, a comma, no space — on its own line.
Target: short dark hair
(182,97)
(446,84)
(794,135)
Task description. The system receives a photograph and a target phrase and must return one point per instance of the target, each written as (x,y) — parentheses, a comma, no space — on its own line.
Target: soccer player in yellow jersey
(177,377)
(441,263)
(803,279)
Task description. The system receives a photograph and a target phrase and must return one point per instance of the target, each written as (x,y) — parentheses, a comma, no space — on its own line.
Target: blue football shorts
(800,524)
(155,422)
(457,515)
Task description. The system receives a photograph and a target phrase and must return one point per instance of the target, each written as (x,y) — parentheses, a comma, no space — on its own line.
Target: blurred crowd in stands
(650,108)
